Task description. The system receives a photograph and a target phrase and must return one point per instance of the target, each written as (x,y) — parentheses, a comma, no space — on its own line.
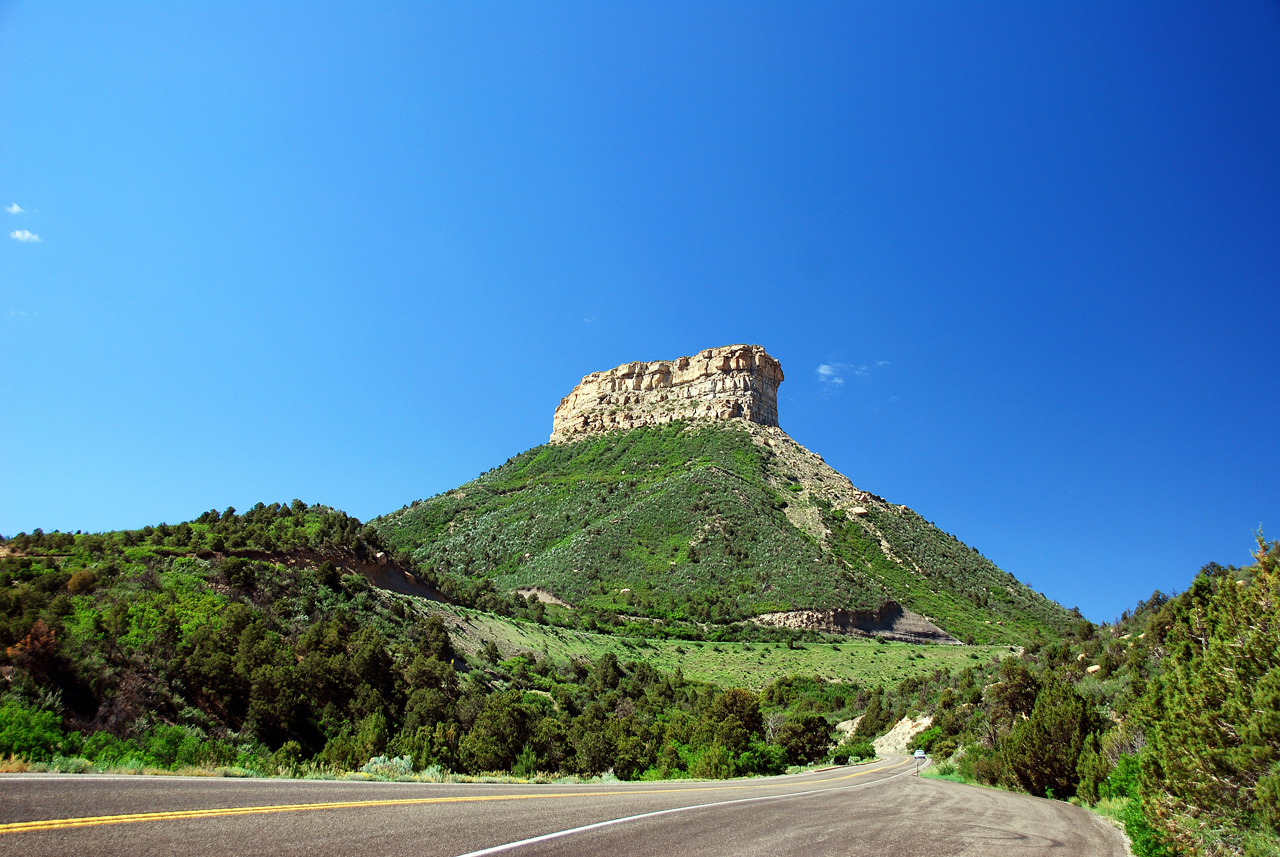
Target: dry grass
(14,765)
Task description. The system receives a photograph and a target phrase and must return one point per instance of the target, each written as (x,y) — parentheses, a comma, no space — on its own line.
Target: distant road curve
(878,809)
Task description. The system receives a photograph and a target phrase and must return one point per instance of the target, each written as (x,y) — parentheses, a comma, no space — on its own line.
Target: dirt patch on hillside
(542,595)
(378,570)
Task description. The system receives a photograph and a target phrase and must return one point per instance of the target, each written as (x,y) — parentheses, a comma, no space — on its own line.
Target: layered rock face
(731,382)
(890,620)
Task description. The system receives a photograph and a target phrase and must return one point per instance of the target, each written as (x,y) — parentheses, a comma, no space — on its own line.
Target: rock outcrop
(731,382)
(898,739)
(890,621)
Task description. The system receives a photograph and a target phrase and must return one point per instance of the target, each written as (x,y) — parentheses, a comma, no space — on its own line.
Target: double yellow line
(220,812)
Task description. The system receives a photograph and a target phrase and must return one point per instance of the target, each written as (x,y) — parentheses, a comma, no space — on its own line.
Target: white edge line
(497,849)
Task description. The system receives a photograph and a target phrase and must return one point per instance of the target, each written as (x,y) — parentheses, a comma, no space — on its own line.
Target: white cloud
(24,236)
(14,208)
(832,373)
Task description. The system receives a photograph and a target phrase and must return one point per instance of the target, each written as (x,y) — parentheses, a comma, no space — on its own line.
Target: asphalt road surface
(879,809)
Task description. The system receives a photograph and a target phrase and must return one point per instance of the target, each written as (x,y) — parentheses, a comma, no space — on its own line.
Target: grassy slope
(751,665)
(693,521)
(962,590)
(682,519)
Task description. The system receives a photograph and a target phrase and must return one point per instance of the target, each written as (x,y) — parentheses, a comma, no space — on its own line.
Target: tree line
(123,647)
(1170,715)
(149,648)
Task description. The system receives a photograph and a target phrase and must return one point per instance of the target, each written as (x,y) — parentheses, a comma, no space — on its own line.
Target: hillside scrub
(688,523)
(1172,715)
(125,654)
(255,644)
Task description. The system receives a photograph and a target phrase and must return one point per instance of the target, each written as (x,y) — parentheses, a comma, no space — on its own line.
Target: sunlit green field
(750,665)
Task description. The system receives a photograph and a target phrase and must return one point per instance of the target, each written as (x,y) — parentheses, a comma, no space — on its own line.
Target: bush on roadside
(805,739)
(858,751)
(391,768)
(33,734)
(925,740)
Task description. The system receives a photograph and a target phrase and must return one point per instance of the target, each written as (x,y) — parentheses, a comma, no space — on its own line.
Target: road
(878,809)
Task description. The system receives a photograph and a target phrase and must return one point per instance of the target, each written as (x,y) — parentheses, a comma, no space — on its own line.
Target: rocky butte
(730,382)
(741,382)
(718,515)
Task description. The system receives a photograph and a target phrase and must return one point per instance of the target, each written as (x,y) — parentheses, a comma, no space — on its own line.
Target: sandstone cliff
(734,381)
(890,620)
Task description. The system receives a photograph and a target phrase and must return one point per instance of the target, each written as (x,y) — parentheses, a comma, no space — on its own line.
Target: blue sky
(1020,261)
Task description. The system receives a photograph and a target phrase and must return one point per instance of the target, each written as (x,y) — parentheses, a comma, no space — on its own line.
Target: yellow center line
(172,815)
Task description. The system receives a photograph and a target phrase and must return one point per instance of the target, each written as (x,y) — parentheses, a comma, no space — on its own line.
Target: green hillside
(254,643)
(708,523)
(750,664)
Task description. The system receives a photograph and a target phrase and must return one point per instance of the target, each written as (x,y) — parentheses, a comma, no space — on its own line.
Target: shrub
(527,763)
(1091,769)
(805,739)
(714,763)
(1143,839)
(925,740)
(106,749)
(238,572)
(288,759)
(1123,780)
(381,766)
(340,752)
(1041,752)
(945,748)
(1267,798)
(71,765)
(500,732)
(80,582)
(355,583)
(762,758)
(173,746)
(859,750)
(981,764)
(31,734)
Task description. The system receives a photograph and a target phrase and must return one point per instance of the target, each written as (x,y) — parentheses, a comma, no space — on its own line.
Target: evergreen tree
(1213,716)
(1091,770)
(1041,753)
